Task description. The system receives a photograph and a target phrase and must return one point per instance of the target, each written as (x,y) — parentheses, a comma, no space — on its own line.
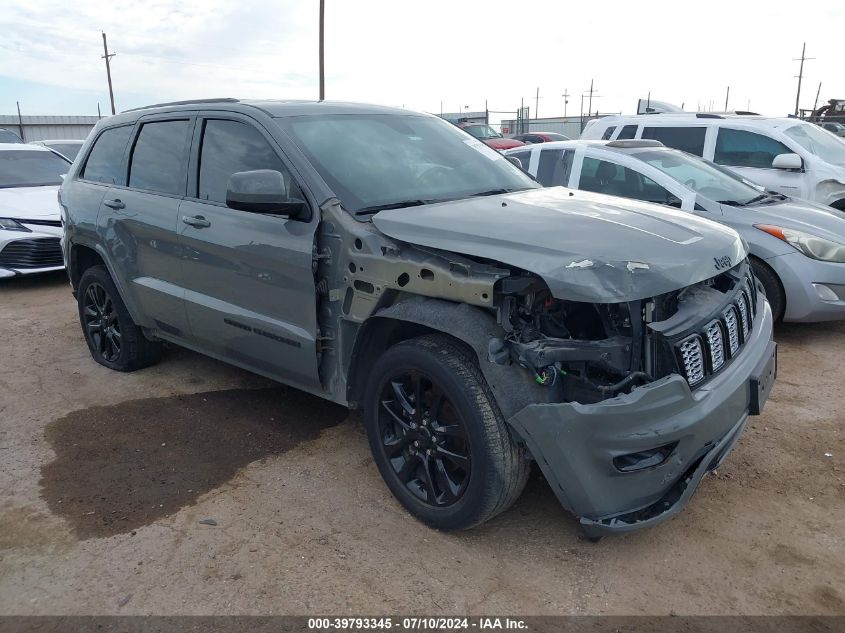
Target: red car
(489,136)
(541,137)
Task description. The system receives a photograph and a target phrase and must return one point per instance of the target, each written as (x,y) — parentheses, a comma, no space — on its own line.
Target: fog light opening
(644,459)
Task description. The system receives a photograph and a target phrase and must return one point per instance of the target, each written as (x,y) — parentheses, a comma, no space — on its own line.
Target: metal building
(39,128)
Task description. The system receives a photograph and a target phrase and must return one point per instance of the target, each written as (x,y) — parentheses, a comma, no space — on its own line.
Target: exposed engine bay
(589,352)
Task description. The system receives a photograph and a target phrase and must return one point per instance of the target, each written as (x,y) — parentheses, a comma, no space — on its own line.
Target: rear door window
(686,139)
(554,167)
(105,161)
(739,148)
(159,159)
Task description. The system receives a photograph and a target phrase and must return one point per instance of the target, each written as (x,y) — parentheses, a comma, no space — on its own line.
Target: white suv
(792,157)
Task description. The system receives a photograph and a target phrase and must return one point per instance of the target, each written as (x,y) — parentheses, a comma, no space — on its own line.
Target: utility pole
(537,103)
(108,57)
(816,102)
(802,59)
(590,106)
(20,120)
(727,96)
(565,96)
(322,53)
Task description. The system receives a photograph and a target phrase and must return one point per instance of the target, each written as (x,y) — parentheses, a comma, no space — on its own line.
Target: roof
(276,108)
(63,141)
(25,147)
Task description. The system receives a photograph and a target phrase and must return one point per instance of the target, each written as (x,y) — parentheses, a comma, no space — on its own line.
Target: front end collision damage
(621,437)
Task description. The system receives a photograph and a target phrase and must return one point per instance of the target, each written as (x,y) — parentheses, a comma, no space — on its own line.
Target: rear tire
(771,286)
(112,336)
(452,461)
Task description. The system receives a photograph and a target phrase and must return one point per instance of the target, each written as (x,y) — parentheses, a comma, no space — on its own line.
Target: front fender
(512,386)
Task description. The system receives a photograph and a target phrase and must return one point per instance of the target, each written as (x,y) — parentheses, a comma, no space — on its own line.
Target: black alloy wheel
(101,322)
(424,439)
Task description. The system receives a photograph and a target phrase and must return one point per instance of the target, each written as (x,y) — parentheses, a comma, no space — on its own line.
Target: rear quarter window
(105,160)
(687,139)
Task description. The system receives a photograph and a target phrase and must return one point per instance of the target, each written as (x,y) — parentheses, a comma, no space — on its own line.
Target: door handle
(196,220)
(114,204)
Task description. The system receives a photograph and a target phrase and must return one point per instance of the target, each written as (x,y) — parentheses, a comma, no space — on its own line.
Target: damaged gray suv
(388,261)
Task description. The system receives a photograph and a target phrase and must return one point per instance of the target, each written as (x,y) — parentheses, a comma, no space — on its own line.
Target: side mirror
(263,191)
(515,161)
(788,161)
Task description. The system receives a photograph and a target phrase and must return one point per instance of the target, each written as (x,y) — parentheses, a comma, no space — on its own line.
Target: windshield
(9,137)
(482,131)
(31,168)
(69,150)
(375,160)
(700,176)
(826,146)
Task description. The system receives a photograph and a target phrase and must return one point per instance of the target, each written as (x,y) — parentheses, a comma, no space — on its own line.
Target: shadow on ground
(124,466)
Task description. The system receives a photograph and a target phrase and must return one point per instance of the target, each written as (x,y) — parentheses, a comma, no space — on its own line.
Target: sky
(423,55)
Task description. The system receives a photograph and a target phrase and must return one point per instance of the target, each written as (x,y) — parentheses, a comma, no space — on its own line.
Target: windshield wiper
(731,203)
(759,198)
(392,205)
(492,192)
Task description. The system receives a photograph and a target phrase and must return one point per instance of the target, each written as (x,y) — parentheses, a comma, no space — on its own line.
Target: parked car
(383,260)
(790,156)
(797,247)
(7,136)
(489,136)
(833,126)
(66,147)
(540,137)
(30,227)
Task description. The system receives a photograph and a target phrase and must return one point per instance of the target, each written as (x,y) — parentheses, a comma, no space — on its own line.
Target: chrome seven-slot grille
(706,353)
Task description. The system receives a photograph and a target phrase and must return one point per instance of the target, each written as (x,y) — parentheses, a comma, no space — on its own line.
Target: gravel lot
(106,479)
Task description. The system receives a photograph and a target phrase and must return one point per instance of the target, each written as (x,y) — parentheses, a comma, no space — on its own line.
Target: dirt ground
(196,488)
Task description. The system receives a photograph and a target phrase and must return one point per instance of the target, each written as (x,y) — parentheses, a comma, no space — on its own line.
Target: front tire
(771,286)
(438,437)
(112,336)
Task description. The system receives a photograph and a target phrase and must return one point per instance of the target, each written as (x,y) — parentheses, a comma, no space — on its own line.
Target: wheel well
(374,338)
(81,259)
(774,274)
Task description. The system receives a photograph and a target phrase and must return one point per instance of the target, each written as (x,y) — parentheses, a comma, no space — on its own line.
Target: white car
(790,156)
(30,226)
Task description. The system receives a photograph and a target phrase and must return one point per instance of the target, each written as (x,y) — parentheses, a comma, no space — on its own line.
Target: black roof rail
(746,113)
(188,102)
(708,115)
(632,143)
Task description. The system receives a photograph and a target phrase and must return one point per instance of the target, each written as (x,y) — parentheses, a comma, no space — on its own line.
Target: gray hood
(585,246)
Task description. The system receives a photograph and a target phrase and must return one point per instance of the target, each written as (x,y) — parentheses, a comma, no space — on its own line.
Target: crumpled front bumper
(576,444)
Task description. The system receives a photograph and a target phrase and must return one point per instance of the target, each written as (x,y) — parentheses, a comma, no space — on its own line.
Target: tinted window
(602,176)
(739,148)
(523,157)
(629,131)
(7,136)
(686,139)
(31,168)
(229,147)
(104,163)
(554,167)
(68,150)
(372,160)
(159,158)
(608,133)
